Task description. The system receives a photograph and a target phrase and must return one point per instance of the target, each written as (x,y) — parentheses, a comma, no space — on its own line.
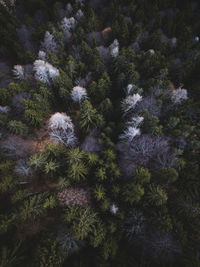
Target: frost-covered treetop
(79,14)
(113,208)
(130,102)
(62,129)
(152,51)
(115,43)
(60,121)
(135,121)
(78,94)
(41,55)
(174,41)
(114,48)
(44,71)
(129,89)
(18,72)
(129,133)
(4,109)
(68,24)
(69,8)
(114,51)
(132,89)
(179,95)
(49,44)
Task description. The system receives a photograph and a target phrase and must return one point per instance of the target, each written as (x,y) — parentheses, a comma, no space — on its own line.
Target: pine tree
(75,155)
(133,192)
(84,223)
(8,183)
(89,118)
(77,171)
(38,161)
(18,127)
(99,192)
(10,257)
(51,167)
(156,196)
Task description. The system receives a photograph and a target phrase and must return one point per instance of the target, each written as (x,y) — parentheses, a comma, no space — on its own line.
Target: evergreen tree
(89,118)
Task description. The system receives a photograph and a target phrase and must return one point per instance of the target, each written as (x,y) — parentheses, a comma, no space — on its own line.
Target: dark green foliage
(101,202)
(156,196)
(89,118)
(17,127)
(133,193)
(49,254)
(141,175)
(82,221)
(166,175)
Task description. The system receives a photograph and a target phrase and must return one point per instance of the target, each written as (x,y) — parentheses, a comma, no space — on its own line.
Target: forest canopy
(99,133)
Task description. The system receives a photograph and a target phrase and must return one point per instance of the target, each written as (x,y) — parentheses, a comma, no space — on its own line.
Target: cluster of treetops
(99,140)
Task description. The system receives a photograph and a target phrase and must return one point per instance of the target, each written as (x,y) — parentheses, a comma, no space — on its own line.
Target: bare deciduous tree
(4,109)
(129,103)
(78,94)
(114,48)
(62,129)
(129,133)
(149,103)
(18,72)
(44,71)
(179,95)
(49,44)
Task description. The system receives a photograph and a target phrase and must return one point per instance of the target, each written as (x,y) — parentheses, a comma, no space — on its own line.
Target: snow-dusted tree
(179,95)
(4,109)
(18,72)
(62,129)
(79,14)
(129,133)
(114,48)
(49,44)
(135,121)
(129,103)
(69,8)
(42,55)
(113,208)
(68,24)
(9,4)
(174,41)
(151,51)
(66,138)
(115,43)
(132,89)
(60,121)
(44,71)
(129,89)
(78,94)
